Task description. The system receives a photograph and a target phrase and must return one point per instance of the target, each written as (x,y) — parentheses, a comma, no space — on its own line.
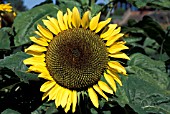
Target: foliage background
(146,90)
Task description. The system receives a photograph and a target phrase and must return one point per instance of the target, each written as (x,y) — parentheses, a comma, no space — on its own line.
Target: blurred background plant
(146,25)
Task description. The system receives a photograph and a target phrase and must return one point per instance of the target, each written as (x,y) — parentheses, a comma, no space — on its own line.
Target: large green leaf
(145,88)
(25,23)
(14,62)
(144,97)
(149,70)
(4,39)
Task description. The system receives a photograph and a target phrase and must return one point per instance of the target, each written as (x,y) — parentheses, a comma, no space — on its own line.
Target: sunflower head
(6,7)
(73,54)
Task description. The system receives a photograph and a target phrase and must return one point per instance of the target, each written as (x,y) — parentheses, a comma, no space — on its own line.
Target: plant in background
(6,7)
(5,10)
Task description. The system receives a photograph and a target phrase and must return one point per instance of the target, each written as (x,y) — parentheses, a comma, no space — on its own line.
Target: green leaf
(148,42)
(10,111)
(149,70)
(52,109)
(151,47)
(106,112)
(161,4)
(156,32)
(152,28)
(14,62)
(4,39)
(47,107)
(145,87)
(133,30)
(166,42)
(93,111)
(95,9)
(64,4)
(146,97)
(122,95)
(130,40)
(25,23)
(140,3)
(85,2)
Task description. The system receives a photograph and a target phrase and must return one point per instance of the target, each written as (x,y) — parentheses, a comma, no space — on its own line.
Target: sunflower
(74,54)
(6,7)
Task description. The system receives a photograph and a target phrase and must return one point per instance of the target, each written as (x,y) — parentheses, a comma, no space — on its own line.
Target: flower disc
(76,58)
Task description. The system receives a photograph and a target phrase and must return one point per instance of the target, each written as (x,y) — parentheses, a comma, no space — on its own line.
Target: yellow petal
(60,20)
(102,24)
(119,55)
(94,22)
(120,42)
(35,54)
(110,80)
(38,33)
(115,76)
(93,97)
(69,101)
(45,76)
(59,97)
(114,32)
(112,39)
(66,20)
(14,14)
(39,41)
(105,87)
(65,98)
(76,20)
(38,69)
(50,26)
(85,20)
(47,86)
(69,17)
(55,23)
(116,48)
(109,31)
(35,61)
(98,89)
(45,95)
(36,48)
(117,66)
(45,32)
(74,100)
(53,92)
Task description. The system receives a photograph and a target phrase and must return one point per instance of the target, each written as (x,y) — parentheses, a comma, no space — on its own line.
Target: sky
(31,3)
